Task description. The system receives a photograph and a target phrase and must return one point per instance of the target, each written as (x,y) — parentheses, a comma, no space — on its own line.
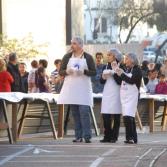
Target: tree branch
(134,25)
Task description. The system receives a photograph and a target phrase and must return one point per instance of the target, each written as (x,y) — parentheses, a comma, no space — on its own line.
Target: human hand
(47,77)
(70,71)
(61,78)
(79,72)
(58,79)
(119,71)
(106,74)
(114,65)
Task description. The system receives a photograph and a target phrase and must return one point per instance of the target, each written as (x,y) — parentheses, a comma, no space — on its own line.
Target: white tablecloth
(18,96)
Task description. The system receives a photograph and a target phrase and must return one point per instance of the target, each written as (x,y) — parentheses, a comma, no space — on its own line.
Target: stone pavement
(43,151)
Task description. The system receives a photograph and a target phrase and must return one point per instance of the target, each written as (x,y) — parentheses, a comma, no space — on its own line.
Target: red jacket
(161,88)
(5,81)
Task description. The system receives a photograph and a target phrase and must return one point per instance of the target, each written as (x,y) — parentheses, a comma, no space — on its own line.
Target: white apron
(76,89)
(111,103)
(129,98)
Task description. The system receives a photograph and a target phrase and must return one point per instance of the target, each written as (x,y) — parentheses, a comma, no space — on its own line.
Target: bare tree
(126,14)
(132,12)
(159,19)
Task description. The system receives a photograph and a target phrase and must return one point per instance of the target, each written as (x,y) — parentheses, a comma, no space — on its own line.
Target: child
(42,80)
(31,77)
(56,79)
(153,81)
(24,77)
(161,87)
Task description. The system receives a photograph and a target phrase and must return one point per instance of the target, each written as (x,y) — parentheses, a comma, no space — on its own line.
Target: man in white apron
(129,93)
(77,67)
(111,104)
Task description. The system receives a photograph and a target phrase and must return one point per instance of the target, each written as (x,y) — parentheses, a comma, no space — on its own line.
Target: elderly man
(77,67)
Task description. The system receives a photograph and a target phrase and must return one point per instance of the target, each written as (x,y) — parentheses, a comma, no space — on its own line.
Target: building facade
(101,25)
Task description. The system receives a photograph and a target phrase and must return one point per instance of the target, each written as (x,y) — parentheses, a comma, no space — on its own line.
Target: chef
(77,67)
(131,78)
(111,104)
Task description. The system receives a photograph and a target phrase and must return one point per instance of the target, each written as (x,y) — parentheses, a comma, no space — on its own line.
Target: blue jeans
(81,115)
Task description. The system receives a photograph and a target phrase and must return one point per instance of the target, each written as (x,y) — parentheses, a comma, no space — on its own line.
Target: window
(100,26)
(96,25)
(104,25)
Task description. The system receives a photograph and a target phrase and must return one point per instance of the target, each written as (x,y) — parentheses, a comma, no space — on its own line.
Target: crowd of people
(77,76)
(15,78)
(154,77)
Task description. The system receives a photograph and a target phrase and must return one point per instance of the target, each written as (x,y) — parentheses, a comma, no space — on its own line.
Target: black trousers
(130,128)
(111,124)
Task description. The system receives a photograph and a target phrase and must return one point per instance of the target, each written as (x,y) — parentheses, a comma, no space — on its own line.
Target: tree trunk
(134,25)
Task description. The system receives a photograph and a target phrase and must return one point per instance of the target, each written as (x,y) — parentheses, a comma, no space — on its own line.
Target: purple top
(41,86)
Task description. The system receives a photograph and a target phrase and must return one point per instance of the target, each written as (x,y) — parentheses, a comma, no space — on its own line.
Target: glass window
(104,25)
(96,25)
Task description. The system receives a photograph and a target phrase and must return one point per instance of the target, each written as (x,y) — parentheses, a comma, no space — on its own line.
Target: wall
(124,48)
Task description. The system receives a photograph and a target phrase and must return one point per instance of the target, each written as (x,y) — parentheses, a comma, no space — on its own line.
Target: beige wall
(124,48)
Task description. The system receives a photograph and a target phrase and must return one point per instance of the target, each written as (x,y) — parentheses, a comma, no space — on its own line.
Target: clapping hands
(74,71)
(106,74)
(114,65)
(79,72)
(70,71)
(119,71)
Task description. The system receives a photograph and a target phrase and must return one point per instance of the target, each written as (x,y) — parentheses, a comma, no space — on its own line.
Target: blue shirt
(96,85)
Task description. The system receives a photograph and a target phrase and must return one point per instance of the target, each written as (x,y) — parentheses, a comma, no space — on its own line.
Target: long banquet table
(16,98)
(151,101)
(47,98)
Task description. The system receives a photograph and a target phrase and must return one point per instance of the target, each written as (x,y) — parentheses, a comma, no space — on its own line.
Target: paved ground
(46,152)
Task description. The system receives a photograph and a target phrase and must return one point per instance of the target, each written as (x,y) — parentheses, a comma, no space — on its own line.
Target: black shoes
(77,140)
(81,140)
(129,142)
(113,141)
(87,141)
(108,141)
(105,141)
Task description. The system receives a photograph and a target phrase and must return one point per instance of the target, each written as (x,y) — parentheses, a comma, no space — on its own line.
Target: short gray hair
(12,56)
(134,58)
(78,40)
(116,53)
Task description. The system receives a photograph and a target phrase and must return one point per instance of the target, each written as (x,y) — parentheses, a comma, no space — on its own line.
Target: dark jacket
(90,62)
(13,70)
(136,76)
(24,83)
